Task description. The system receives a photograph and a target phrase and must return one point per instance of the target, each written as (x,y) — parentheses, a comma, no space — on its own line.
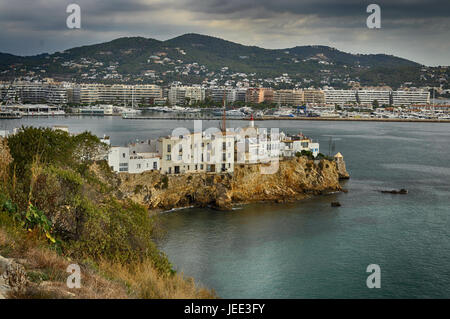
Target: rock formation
(340,164)
(295,179)
(12,277)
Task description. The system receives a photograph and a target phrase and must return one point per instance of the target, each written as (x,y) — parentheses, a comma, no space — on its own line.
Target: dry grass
(47,272)
(3,238)
(93,286)
(145,282)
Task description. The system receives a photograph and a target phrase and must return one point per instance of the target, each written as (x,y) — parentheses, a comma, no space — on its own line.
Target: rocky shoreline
(295,179)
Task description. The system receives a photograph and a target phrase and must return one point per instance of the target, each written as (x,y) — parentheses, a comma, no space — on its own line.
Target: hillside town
(65,93)
(25,98)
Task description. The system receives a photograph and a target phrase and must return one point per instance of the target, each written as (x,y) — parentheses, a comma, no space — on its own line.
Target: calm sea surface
(308,249)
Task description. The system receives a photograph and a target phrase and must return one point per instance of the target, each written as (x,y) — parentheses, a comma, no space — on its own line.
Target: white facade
(340,96)
(179,95)
(400,98)
(256,145)
(290,146)
(4,133)
(367,97)
(196,153)
(120,160)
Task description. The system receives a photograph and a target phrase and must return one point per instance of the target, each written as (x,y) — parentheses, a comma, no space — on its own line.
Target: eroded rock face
(342,170)
(12,277)
(295,179)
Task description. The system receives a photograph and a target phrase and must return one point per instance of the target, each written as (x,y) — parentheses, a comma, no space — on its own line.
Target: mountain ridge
(195,36)
(195,58)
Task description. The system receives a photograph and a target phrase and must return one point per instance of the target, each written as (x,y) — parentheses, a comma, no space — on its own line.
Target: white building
(291,145)
(196,153)
(180,95)
(400,98)
(122,161)
(340,97)
(367,97)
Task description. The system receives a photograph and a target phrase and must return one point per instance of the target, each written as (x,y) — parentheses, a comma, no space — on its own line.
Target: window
(155,165)
(224,156)
(169,148)
(138,166)
(123,155)
(224,146)
(168,157)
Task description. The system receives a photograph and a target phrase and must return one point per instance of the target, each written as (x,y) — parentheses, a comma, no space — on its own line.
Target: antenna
(329,145)
(224,116)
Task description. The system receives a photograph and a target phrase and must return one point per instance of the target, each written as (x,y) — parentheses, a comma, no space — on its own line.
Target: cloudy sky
(415,29)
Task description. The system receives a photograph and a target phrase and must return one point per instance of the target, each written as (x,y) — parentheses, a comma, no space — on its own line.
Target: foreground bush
(54,199)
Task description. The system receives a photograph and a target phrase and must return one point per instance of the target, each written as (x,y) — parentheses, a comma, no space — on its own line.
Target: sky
(418,30)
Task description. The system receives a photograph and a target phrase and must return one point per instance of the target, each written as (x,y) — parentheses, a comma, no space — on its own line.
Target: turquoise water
(308,249)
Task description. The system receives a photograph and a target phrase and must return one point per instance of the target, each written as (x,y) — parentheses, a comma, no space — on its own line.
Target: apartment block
(400,98)
(340,97)
(288,97)
(313,97)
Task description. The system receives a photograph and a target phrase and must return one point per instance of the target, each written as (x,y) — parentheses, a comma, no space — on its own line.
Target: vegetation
(301,62)
(308,154)
(57,199)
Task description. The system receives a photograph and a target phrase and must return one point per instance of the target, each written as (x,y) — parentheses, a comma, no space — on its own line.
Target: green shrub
(164,182)
(118,232)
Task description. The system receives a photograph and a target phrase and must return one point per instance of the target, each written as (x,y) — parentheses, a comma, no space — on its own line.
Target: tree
(375,104)
(54,147)
(88,147)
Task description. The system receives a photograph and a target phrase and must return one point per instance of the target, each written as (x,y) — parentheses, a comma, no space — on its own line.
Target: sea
(308,249)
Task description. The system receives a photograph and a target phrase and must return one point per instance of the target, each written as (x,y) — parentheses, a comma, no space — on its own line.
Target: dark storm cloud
(410,28)
(324,8)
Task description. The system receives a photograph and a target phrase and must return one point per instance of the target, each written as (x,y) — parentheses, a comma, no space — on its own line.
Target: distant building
(288,97)
(313,97)
(340,97)
(406,98)
(259,95)
(181,95)
(368,97)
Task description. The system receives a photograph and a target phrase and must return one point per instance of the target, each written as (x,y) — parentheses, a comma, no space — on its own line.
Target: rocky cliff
(295,179)
(12,277)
